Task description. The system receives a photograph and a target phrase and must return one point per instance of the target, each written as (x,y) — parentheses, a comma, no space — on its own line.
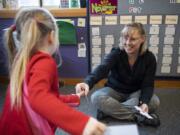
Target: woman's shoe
(142,120)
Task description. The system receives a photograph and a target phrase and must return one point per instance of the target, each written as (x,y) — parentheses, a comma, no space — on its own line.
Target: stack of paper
(122,130)
(143,113)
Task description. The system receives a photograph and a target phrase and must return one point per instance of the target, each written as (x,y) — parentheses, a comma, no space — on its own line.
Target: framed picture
(74,4)
(70,4)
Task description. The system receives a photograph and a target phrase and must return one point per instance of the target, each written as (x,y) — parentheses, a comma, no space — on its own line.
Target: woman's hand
(82,88)
(81,93)
(93,127)
(144,107)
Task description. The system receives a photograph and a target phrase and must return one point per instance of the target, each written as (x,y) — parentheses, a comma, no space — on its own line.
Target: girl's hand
(93,127)
(82,87)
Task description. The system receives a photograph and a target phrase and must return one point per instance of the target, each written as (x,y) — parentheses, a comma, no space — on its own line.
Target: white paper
(154,30)
(96,51)
(171,19)
(81,53)
(96,55)
(96,59)
(154,39)
(143,113)
(154,45)
(168,39)
(81,22)
(178,69)
(122,130)
(96,40)
(154,49)
(110,20)
(167,50)
(167,60)
(81,50)
(81,46)
(95,31)
(108,45)
(141,19)
(170,30)
(125,19)
(165,69)
(155,19)
(96,20)
(109,39)
(108,50)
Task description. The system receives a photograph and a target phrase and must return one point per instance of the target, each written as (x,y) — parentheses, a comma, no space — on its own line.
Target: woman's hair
(134,26)
(31,25)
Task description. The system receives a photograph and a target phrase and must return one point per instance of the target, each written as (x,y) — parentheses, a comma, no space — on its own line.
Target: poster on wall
(67,32)
(103,7)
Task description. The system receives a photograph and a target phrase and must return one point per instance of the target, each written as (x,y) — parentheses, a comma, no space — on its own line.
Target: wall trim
(73,81)
(158,83)
(57,12)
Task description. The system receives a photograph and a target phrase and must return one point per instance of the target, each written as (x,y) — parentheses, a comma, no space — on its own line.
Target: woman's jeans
(119,105)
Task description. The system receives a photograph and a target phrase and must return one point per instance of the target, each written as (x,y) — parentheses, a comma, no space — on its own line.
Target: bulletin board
(74,56)
(161,20)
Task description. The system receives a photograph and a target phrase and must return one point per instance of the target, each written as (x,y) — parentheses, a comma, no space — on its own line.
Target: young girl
(33,104)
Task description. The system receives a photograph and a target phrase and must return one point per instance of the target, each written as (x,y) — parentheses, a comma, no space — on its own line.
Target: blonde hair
(32,25)
(139,27)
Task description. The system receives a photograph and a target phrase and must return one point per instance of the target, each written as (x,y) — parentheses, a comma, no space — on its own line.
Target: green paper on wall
(67,32)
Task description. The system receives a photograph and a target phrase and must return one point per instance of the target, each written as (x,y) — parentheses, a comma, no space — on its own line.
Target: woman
(130,72)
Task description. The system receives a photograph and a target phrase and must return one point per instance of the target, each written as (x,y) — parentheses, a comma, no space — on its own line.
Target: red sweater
(42,81)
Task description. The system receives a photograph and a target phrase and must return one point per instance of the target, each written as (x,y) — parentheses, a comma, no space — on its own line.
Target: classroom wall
(72,66)
(78,67)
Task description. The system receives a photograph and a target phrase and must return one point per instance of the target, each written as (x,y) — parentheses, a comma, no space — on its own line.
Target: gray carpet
(169,111)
